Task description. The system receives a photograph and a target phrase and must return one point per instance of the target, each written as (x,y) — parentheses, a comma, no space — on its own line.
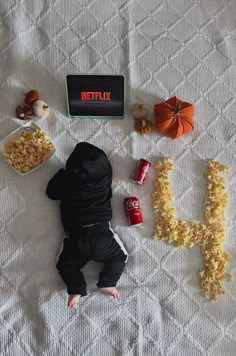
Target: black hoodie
(84,187)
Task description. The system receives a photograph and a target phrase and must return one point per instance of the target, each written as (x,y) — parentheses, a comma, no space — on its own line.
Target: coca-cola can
(140,173)
(133,211)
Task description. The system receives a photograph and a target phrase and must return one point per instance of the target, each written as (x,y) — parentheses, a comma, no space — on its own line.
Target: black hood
(88,163)
(84,188)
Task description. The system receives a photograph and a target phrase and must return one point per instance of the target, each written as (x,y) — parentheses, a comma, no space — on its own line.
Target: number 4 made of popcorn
(209,236)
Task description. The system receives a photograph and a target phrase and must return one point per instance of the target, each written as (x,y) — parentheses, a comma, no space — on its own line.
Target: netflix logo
(95,95)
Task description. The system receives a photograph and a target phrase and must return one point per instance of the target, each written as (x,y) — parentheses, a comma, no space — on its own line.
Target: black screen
(95,95)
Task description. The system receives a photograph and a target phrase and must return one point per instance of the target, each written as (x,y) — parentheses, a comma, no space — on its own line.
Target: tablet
(95,96)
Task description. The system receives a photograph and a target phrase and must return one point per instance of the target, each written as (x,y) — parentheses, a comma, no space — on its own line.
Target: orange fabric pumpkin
(174,117)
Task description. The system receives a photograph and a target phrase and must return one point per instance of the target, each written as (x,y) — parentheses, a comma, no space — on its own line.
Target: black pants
(98,243)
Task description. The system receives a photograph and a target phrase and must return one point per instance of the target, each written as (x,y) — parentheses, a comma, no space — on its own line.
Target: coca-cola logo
(132,204)
(145,169)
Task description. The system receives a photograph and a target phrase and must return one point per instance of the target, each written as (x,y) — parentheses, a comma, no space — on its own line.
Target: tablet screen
(95,95)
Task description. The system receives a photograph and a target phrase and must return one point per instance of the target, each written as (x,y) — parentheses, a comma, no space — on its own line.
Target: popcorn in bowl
(27,148)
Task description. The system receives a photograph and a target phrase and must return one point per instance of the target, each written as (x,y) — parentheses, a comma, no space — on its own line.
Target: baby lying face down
(84,189)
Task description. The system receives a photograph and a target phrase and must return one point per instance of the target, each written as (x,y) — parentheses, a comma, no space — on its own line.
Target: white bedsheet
(164,48)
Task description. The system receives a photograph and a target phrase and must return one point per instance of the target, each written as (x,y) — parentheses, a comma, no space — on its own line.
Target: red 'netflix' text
(96,95)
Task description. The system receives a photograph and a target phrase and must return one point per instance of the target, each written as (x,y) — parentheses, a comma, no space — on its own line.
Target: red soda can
(140,173)
(133,211)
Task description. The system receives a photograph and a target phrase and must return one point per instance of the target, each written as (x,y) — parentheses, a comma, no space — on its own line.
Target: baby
(84,189)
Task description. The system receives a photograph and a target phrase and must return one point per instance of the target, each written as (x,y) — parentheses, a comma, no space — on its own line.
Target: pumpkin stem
(177,108)
(143,123)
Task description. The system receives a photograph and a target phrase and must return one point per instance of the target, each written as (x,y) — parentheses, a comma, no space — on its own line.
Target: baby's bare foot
(111,291)
(73,300)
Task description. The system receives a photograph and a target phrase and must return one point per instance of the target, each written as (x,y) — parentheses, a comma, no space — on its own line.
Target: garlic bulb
(40,109)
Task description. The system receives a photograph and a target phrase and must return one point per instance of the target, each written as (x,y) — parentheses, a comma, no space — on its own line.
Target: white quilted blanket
(185,48)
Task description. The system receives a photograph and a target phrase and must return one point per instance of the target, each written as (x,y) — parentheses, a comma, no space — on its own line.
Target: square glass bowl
(28,127)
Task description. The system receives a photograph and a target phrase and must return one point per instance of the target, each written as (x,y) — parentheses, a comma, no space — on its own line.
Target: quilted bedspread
(164,48)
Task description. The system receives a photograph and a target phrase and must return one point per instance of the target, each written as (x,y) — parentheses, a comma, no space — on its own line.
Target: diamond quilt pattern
(164,48)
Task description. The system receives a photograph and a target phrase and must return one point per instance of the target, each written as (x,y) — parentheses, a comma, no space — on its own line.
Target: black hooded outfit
(84,189)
